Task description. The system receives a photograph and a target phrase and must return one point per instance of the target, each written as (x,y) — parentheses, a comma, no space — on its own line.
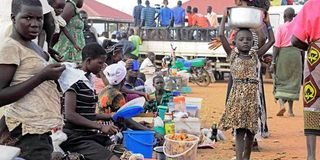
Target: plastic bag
(158,122)
(72,75)
(57,138)
(136,157)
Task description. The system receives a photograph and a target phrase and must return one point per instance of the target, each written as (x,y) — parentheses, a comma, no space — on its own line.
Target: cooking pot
(246,17)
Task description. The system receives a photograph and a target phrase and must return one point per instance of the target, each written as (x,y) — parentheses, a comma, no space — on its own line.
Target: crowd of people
(146,16)
(100,78)
(164,17)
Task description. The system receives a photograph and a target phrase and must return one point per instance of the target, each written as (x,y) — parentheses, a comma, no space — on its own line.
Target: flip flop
(281,111)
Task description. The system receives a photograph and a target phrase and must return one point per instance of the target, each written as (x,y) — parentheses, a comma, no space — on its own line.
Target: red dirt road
(286,140)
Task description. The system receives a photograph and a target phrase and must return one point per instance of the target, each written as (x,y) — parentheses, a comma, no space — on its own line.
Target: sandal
(126,155)
(281,111)
(117,149)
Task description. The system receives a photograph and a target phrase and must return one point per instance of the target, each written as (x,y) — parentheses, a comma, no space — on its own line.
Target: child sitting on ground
(159,97)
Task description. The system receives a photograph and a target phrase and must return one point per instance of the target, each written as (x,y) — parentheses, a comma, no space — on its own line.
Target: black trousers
(33,146)
(90,144)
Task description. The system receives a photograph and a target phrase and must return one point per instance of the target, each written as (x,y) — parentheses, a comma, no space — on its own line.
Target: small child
(241,112)
(159,97)
(60,23)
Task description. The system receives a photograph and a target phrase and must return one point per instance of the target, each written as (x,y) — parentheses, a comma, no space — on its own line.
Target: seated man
(148,67)
(132,82)
(159,97)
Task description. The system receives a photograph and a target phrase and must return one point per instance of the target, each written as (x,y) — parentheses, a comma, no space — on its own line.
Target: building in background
(105,18)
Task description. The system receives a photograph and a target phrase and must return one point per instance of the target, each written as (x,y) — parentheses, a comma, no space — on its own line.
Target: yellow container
(169,128)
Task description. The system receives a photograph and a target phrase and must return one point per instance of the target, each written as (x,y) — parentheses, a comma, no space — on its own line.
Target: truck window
(275,21)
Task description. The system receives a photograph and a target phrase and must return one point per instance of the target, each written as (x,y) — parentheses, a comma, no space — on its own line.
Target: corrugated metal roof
(97,10)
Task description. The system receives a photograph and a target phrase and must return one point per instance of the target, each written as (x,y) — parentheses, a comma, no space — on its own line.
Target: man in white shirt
(148,68)
(212,17)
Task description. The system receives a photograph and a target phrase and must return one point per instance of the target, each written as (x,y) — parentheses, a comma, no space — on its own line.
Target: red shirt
(189,15)
(200,21)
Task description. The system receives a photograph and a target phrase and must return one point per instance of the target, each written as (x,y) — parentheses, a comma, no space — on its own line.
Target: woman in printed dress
(75,26)
(306,36)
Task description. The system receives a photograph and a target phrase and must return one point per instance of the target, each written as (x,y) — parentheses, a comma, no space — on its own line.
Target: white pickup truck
(200,48)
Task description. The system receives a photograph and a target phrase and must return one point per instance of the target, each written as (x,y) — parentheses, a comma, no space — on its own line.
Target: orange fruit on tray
(181,137)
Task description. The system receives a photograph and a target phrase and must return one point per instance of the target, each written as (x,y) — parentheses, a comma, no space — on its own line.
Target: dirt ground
(286,140)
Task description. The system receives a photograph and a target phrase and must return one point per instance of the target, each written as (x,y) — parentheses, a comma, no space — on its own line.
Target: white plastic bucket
(189,125)
(181,150)
(8,152)
(194,101)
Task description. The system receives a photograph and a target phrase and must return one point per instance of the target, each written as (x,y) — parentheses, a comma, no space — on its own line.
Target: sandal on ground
(281,111)
(117,149)
(126,155)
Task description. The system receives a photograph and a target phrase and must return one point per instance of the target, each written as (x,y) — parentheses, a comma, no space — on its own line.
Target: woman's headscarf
(115,73)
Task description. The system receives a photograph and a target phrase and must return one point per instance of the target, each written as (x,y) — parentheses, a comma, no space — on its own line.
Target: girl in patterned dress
(242,107)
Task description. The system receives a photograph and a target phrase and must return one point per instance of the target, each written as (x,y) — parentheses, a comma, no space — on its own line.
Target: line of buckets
(143,142)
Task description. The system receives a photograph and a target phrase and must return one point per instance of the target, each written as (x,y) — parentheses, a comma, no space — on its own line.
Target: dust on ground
(286,140)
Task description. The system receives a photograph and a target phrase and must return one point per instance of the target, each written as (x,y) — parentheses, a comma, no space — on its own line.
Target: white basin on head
(246,17)
(8,152)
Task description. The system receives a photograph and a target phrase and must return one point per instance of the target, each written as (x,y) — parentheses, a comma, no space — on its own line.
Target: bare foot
(290,115)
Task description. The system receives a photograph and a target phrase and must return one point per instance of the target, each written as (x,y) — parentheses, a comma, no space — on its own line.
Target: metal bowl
(246,17)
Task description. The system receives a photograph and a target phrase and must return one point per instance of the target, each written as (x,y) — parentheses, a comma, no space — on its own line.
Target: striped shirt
(148,14)
(86,103)
(137,14)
